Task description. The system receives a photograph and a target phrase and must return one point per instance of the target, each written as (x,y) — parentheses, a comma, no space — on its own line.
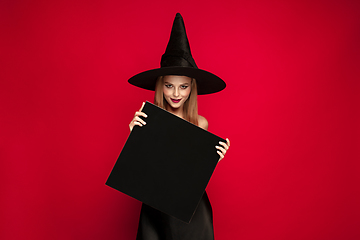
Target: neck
(176,111)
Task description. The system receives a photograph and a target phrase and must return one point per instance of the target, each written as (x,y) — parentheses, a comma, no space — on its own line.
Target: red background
(290,109)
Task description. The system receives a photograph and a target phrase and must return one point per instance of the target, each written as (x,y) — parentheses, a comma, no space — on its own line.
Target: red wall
(290,109)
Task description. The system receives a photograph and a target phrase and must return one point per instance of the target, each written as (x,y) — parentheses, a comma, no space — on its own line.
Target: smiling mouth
(175,100)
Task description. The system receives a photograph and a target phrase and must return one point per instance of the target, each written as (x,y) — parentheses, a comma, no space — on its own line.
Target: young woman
(172,93)
(177,83)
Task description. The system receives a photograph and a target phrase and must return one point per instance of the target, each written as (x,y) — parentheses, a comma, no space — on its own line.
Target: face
(176,90)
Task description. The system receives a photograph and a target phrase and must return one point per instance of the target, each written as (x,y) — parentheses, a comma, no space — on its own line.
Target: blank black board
(166,164)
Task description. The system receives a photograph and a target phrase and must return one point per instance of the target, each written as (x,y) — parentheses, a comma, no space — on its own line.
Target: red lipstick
(175,100)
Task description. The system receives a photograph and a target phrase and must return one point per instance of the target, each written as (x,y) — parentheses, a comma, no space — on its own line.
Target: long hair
(190,105)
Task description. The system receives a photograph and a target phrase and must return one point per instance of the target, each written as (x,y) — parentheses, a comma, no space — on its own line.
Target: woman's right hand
(137,120)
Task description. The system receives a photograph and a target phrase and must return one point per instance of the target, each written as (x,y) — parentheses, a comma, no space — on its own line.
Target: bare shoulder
(203,123)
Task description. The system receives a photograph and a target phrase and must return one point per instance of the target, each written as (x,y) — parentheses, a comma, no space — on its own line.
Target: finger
(132,125)
(228,142)
(224,145)
(220,154)
(141,114)
(138,119)
(142,106)
(137,123)
(221,149)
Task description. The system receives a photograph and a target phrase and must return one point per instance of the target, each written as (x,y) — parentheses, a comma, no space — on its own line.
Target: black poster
(166,164)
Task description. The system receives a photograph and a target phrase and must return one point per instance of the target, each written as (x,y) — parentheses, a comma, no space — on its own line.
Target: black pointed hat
(177,60)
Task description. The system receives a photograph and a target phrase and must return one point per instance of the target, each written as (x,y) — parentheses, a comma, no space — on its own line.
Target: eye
(184,86)
(168,85)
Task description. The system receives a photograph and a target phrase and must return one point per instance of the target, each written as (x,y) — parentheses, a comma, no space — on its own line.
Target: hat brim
(206,82)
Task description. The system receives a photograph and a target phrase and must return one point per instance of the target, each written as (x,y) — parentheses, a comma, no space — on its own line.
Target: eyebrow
(180,83)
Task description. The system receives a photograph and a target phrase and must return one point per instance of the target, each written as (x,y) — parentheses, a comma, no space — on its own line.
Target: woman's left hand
(223,148)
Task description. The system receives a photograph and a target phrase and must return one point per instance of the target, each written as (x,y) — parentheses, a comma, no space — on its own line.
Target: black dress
(156,225)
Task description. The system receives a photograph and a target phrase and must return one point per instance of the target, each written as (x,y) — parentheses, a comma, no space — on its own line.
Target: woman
(173,94)
(177,84)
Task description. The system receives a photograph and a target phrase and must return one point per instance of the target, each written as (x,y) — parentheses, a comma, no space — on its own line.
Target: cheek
(166,91)
(186,93)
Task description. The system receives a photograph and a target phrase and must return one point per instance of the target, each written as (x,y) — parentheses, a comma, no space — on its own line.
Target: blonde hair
(190,105)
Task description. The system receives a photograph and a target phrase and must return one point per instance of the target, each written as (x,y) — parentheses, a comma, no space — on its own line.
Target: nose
(176,92)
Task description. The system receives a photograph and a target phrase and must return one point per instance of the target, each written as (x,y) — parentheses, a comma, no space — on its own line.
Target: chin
(175,105)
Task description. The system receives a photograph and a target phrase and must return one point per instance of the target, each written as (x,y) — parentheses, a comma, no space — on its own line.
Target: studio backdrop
(290,110)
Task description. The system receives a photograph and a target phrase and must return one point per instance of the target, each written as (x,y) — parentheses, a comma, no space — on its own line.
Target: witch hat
(177,60)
